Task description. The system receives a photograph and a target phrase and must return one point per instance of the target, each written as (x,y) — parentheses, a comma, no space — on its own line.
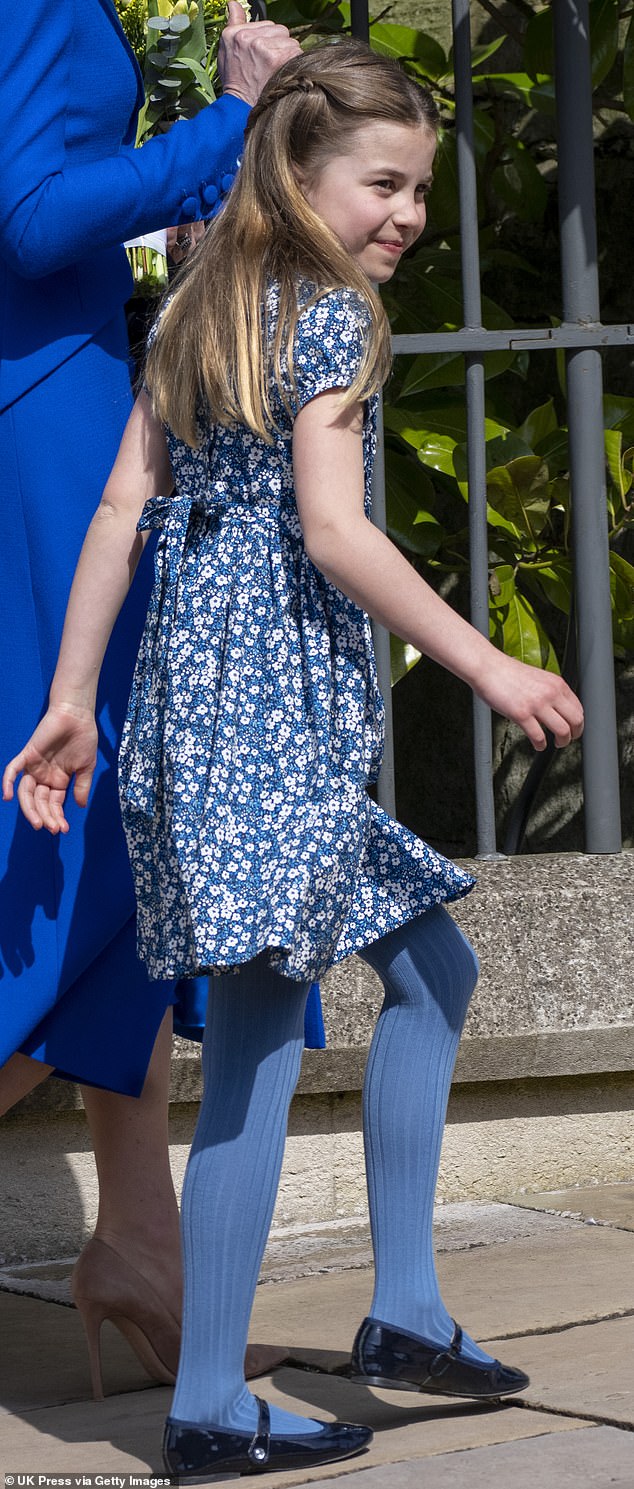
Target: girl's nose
(408,212)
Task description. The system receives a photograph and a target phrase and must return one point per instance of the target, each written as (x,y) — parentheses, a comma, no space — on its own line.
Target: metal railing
(582,336)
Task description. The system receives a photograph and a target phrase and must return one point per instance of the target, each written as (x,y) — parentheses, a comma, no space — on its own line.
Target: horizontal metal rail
(515,339)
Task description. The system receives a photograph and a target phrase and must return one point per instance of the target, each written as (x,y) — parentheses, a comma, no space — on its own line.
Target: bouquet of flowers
(176,45)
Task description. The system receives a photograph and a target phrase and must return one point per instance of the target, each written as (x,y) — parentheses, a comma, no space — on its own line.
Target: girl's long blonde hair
(211,350)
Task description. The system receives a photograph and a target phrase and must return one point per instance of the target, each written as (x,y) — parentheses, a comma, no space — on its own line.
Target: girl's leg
(428,971)
(251,1058)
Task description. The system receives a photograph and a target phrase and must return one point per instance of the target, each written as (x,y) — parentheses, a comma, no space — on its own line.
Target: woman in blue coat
(73,996)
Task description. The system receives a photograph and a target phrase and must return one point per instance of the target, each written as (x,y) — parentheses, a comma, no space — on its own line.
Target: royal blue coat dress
(72,187)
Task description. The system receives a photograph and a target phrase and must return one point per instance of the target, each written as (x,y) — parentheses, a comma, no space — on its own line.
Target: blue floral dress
(255,722)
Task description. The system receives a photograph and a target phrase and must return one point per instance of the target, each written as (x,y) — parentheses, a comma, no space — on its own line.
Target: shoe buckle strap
(447,1357)
(259,1447)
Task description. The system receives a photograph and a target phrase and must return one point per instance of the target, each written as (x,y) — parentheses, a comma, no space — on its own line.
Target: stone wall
(543,1094)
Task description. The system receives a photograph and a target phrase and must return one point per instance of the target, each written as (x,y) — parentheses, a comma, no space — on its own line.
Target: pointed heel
(105,1286)
(92,1316)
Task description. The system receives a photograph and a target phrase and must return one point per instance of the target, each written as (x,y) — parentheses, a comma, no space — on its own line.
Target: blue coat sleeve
(55,209)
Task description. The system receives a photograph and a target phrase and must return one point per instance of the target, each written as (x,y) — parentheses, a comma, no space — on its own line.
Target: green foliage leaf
(604,37)
(405,42)
(538,44)
(519,492)
(441,303)
(519,184)
(604,30)
(538,94)
(516,628)
(628,69)
(538,424)
(409,496)
(482,51)
(403,657)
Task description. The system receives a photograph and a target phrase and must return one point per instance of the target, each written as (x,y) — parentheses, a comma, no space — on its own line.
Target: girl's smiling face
(373,197)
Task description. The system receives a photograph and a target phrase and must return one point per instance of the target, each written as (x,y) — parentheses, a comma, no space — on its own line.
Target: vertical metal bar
(474,387)
(359,19)
(580,292)
(386,786)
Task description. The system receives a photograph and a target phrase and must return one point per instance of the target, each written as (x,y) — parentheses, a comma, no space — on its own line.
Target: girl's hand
(63,745)
(532,698)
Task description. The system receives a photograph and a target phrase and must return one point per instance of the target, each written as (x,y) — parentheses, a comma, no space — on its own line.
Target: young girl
(255,724)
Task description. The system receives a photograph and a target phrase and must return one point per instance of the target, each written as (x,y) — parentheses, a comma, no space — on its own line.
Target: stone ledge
(549,1055)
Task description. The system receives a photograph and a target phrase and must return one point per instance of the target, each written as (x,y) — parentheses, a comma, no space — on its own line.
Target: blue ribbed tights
(251,1059)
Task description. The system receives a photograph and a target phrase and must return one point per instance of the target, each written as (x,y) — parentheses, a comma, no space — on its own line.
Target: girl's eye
(385,185)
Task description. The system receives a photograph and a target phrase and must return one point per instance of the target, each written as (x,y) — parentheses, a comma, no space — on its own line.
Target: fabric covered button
(190,208)
(210,195)
(226,184)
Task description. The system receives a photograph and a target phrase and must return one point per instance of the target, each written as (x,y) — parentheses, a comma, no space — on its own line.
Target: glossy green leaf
(613,450)
(524,636)
(519,492)
(481,53)
(539,44)
(501,585)
(444,202)
(553,448)
(403,41)
(538,424)
(518,183)
(624,575)
(604,37)
(535,93)
(409,494)
(628,69)
(403,657)
(618,413)
(556,582)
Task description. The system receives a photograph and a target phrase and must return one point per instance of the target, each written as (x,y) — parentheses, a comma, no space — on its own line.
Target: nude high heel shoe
(105,1286)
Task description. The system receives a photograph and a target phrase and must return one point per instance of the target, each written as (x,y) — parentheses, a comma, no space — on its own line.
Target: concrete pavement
(546,1281)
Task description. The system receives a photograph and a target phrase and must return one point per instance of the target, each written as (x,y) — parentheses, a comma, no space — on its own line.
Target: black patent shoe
(387,1357)
(191,1451)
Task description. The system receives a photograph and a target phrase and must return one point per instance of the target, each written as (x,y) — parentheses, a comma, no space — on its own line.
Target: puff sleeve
(329,344)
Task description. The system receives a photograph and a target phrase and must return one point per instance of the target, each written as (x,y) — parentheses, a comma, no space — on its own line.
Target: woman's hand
(181,241)
(63,745)
(250,52)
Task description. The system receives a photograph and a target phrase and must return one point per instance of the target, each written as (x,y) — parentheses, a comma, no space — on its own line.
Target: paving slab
(298,1251)
(587,1370)
(497,1292)
(44,1358)
(602,1204)
(598,1459)
(123,1433)
(509,1291)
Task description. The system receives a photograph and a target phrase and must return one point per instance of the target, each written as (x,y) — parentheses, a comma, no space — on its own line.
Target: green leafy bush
(425,417)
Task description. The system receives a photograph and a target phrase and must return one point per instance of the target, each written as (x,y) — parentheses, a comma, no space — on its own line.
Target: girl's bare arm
(64,743)
(366,566)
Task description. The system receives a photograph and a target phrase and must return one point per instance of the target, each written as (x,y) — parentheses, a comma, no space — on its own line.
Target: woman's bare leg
(20,1075)
(138,1213)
